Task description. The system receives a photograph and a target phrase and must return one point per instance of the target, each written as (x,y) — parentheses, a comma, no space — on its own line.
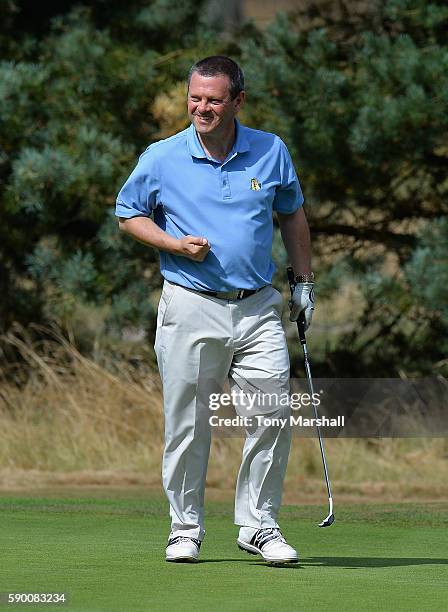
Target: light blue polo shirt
(230,203)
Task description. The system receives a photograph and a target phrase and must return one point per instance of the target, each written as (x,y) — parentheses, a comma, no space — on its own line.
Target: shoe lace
(178,539)
(267,535)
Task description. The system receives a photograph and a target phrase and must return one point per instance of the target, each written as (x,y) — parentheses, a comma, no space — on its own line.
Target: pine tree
(360,97)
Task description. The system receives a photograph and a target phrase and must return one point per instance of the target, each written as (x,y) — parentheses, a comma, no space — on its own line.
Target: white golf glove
(302,299)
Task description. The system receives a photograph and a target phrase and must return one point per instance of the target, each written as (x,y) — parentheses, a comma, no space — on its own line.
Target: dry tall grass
(67,419)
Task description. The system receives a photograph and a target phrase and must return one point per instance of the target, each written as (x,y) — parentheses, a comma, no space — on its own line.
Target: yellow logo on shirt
(255,185)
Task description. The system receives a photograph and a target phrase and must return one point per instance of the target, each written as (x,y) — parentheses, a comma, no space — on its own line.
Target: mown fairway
(106,552)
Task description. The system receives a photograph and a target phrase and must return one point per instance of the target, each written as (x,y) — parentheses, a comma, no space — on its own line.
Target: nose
(203,105)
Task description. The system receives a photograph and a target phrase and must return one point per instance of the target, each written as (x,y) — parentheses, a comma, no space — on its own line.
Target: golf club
(329,520)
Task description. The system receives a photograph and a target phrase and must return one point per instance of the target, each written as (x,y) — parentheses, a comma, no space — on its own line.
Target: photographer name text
(263,421)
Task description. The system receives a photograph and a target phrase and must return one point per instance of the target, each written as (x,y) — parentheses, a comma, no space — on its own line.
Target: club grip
(301,327)
(290,273)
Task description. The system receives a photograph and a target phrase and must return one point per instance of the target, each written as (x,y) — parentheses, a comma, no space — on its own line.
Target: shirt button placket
(225,184)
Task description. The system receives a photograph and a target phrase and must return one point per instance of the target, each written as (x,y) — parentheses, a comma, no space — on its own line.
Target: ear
(239,101)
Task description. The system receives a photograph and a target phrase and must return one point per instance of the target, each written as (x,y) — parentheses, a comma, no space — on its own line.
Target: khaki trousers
(201,342)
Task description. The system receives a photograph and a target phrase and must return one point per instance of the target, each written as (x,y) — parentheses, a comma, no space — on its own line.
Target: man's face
(210,107)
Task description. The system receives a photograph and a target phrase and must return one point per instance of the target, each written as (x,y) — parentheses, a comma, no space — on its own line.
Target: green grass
(106,551)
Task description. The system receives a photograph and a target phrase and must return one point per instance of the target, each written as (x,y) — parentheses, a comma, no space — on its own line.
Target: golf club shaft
(321,442)
(301,330)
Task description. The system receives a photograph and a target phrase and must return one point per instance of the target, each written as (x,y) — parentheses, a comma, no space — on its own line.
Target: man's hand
(194,247)
(146,231)
(302,299)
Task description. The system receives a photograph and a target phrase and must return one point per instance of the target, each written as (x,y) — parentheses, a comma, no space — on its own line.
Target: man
(211,190)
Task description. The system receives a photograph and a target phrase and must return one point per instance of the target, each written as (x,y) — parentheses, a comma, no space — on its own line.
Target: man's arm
(146,231)
(296,238)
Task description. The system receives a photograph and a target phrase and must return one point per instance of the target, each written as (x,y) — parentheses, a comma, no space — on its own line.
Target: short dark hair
(220,64)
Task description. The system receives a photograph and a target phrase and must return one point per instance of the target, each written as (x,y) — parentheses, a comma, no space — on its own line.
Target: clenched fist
(194,247)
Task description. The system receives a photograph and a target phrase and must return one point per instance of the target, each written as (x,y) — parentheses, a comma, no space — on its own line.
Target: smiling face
(210,106)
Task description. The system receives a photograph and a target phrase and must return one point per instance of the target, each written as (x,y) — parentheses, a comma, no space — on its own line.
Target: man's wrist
(172,245)
(306,277)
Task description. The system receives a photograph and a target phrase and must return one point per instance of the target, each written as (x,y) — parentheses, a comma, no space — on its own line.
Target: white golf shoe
(269,543)
(183,550)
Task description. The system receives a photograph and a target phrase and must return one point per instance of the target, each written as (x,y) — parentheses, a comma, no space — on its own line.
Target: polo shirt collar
(241,144)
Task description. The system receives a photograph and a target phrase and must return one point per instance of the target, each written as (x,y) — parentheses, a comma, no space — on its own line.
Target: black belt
(235,294)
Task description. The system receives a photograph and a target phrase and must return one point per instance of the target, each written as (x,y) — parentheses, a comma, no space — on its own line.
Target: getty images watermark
(275,403)
(340,407)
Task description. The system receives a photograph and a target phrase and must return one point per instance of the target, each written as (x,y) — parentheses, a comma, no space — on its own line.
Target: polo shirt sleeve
(288,196)
(141,192)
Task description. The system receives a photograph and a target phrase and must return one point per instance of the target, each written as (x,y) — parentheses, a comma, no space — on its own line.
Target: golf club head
(327,521)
